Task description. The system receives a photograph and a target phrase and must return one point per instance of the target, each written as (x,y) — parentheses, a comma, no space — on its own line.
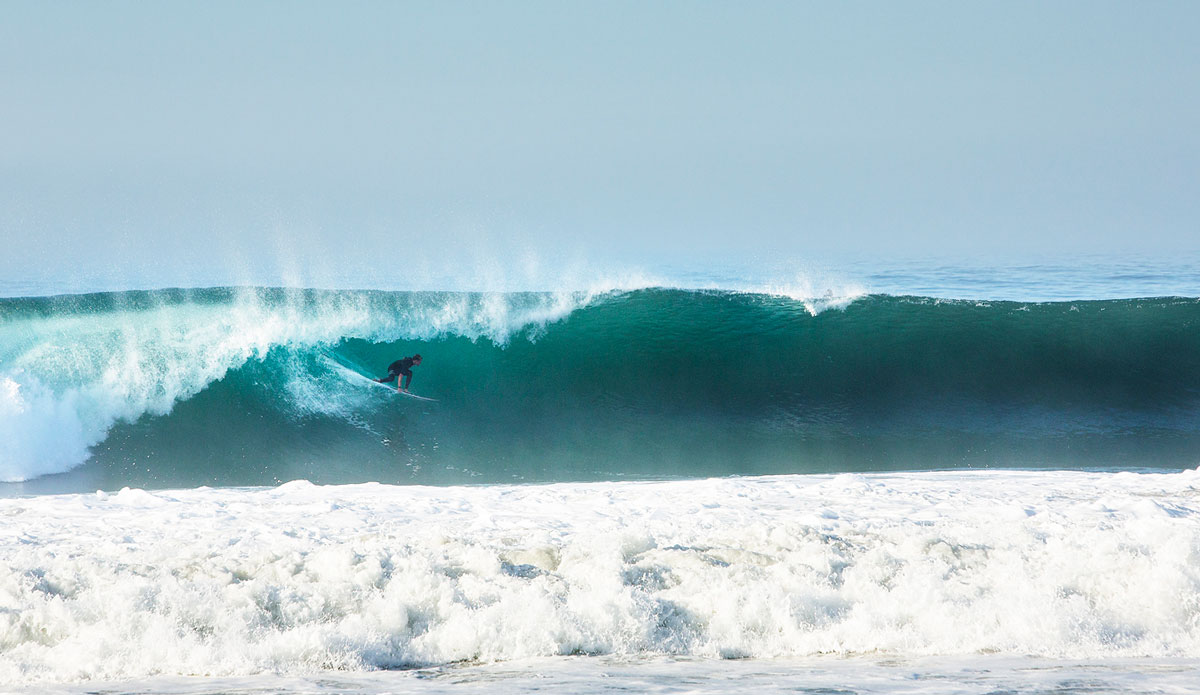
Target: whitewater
(926,481)
(301,580)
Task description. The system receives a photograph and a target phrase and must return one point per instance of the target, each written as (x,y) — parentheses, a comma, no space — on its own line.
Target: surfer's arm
(407,381)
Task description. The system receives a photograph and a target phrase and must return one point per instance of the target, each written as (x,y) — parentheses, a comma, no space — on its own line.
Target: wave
(73,366)
(232,386)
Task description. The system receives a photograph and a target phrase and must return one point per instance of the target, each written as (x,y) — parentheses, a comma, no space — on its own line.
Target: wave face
(235,386)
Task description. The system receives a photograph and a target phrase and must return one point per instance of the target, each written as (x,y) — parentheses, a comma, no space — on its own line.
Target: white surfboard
(351,371)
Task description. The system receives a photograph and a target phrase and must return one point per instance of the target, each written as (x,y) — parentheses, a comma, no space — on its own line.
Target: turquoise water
(114,389)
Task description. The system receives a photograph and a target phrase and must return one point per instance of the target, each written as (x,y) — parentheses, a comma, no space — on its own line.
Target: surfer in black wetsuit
(401,368)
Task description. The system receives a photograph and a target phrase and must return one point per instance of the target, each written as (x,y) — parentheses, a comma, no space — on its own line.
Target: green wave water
(235,387)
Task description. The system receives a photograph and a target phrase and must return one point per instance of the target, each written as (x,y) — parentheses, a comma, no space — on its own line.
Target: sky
(185,143)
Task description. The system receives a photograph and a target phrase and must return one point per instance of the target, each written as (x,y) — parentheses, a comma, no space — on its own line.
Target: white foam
(816,290)
(301,578)
(868,675)
(817,293)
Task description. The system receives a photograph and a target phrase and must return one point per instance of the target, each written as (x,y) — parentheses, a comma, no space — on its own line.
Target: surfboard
(353,371)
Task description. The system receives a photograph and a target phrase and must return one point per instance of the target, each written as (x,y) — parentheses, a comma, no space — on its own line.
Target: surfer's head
(416,359)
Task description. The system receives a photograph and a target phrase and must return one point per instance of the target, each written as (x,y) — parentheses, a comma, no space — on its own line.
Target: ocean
(907,476)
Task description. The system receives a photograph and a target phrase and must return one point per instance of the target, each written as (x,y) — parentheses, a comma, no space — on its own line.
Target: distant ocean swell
(305,579)
(234,386)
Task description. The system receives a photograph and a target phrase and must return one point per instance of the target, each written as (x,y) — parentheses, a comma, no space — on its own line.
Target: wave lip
(302,578)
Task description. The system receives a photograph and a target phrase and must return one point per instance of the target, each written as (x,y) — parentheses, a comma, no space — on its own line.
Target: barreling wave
(234,386)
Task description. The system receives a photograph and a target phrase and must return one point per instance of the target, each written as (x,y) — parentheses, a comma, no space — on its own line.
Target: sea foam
(301,578)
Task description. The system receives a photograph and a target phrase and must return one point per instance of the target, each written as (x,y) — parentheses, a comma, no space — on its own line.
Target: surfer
(401,368)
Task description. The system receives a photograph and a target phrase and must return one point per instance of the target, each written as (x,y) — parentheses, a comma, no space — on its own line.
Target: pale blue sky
(181,140)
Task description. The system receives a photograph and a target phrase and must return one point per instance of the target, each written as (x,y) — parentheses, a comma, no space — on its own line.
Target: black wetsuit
(397,369)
